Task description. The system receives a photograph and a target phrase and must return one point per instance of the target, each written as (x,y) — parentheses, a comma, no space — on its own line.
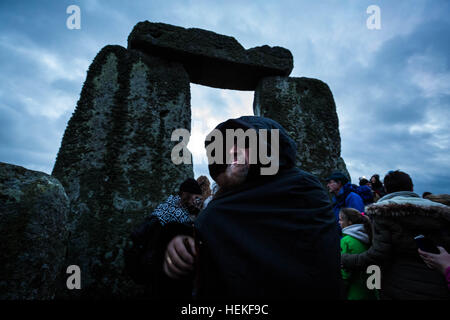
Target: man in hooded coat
(262,236)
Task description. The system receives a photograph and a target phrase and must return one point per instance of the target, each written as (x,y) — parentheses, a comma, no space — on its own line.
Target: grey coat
(396,219)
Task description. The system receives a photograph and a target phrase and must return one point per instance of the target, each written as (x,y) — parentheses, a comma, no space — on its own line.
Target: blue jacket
(347,199)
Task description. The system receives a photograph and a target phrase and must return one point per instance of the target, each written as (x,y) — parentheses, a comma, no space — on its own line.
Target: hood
(410,209)
(287,146)
(357,231)
(407,197)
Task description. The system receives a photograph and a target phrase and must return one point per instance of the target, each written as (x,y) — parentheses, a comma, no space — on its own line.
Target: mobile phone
(426,244)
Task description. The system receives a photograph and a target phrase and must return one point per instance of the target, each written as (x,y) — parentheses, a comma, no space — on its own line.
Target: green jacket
(355,241)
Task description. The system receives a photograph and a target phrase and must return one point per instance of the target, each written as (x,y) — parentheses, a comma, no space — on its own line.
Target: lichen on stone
(115,178)
(305,108)
(34,209)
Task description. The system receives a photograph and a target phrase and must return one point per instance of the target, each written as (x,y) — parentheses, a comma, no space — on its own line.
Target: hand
(436,261)
(178,261)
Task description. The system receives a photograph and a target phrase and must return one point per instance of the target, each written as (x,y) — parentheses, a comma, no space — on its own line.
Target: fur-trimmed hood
(407,197)
(406,203)
(356,231)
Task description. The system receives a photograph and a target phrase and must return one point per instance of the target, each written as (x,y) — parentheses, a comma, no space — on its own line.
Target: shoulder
(169,201)
(354,200)
(298,176)
(351,245)
(349,239)
(295,182)
(346,239)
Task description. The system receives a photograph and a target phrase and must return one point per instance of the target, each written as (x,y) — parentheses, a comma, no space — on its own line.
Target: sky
(391,85)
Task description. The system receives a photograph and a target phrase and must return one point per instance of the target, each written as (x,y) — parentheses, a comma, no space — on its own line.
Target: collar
(408,194)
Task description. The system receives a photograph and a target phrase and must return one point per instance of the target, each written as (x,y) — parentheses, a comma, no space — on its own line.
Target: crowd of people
(385,232)
(281,237)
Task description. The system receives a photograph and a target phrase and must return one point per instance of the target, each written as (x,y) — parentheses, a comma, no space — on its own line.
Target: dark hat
(190,185)
(363,182)
(338,176)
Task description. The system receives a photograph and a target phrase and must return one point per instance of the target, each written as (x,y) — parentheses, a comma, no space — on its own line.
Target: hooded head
(266,148)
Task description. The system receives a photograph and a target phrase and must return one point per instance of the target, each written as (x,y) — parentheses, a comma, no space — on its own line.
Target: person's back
(366,194)
(143,259)
(353,200)
(357,288)
(344,194)
(405,276)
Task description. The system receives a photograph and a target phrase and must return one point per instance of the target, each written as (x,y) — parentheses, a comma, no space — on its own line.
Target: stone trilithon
(114,161)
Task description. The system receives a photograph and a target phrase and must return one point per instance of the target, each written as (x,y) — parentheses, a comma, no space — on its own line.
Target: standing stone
(211,59)
(33,234)
(115,159)
(305,108)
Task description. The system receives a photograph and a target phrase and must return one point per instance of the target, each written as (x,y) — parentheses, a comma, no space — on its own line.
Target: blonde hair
(441,198)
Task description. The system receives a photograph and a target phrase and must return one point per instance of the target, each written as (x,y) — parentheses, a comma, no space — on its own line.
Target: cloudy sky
(391,86)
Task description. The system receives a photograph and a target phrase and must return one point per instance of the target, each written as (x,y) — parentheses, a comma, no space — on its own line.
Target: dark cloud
(397,125)
(391,86)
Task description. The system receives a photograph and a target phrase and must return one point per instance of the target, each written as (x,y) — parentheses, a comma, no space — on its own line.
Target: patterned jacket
(172,211)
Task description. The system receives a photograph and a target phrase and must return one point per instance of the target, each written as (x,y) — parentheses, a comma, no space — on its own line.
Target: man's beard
(234,176)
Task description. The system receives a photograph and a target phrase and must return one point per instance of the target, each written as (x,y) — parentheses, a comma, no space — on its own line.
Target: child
(357,233)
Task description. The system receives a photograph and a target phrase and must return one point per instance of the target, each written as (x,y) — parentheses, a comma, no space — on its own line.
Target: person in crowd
(183,207)
(363,181)
(440,262)
(396,219)
(357,233)
(205,185)
(377,187)
(426,194)
(365,191)
(263,236)
(440,198)
(143,257)
(343,196)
